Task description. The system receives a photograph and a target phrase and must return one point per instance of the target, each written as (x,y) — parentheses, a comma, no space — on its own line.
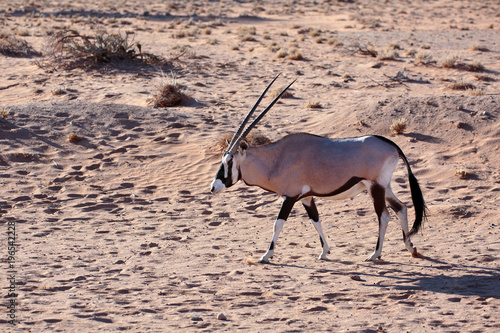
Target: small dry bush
(423,58)
(462,173)
(168,95)
(254,140)
(399,126)
(4,113)
(475,46)
(461,85)
(74,138)
(313,105)
(475,92)
(295,54)
(287,94)
(15,47)
(68,49)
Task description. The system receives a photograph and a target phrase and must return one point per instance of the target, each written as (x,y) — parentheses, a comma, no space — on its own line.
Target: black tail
(416,193)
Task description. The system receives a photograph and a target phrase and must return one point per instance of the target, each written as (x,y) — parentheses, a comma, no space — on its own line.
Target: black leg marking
(286,208)
(322,242)
(395,205)
(378,195)
(312,211)
(271,247)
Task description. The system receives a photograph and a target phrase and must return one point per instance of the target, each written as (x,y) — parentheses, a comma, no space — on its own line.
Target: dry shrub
(4,113)
(254,140)
(287,94)
(399,126)
(74,138)
(475,92)
(313,105)
(295,54)
(462,173)
(68,49)
(15,47)
(450,61)
(168,95)
(423,58)
(475,46)
(475,66)
(461,85)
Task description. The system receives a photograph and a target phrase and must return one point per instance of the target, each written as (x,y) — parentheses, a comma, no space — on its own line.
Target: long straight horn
(245,121)
(259,117)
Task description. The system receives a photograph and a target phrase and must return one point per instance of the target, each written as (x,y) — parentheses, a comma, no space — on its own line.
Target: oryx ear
(244,145)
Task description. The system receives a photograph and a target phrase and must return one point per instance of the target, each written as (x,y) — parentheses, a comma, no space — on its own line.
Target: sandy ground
(118,232)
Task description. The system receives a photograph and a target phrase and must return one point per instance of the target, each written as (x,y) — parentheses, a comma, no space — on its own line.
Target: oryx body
(302,166)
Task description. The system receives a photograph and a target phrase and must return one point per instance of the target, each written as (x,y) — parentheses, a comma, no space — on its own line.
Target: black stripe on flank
(347,186)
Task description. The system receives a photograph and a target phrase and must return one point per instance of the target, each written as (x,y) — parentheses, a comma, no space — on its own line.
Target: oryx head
(229,171)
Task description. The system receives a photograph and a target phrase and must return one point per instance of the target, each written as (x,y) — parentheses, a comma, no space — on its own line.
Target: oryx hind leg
(377,193)
(286,208)
(313,214)
(402,212)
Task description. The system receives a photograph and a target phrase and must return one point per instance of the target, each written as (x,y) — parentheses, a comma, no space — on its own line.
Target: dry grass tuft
(287,94)
(4,113)
(15,47)
(399,126)
(254,140)
(168,95)
(475,46)
(68,49)
(74,138)
(462,173)
(313,105)
(450,61)
(423,58)
(461,85)
(475,92)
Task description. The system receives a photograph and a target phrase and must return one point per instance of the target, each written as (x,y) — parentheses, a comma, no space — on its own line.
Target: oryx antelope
(302,166)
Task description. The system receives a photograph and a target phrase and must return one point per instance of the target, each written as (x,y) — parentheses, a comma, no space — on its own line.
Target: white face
(227,175)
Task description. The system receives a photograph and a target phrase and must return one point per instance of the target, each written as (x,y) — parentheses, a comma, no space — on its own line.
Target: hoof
(263,261)
(323,258)
(416,254)
(373,259)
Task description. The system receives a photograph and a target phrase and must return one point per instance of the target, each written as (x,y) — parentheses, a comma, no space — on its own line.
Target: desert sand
(118,231)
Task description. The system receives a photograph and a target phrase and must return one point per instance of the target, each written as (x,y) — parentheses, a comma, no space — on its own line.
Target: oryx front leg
(286,208)
(378,195)
(313,214)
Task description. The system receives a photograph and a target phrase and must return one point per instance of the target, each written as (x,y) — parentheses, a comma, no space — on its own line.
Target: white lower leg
(278,226)
(384,221)
(402,215)
(325,248)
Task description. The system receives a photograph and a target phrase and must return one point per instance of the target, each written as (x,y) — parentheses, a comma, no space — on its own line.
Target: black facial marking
(227,181)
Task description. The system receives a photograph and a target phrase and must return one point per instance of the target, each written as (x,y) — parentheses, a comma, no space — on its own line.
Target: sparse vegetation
(449,61)
(254,140)
(4,113)
(475,92)
(399,126)
(167,94)
(274,93)
(68,49)
(461,85)
(15,47)
(475,46)
(423,58)
(313,105)
(462,173)
(74,138)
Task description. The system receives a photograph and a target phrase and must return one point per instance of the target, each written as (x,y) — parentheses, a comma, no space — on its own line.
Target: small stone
(196,318)
(221,316)
(355,277)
